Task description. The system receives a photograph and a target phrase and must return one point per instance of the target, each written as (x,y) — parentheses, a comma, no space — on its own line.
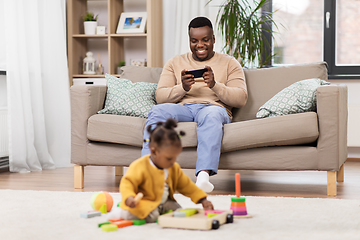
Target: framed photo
(132,22)
(138,62)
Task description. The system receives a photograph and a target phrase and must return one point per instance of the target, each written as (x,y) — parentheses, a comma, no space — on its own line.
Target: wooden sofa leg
(119,171)
(331,183)
(78,177)
(340,174)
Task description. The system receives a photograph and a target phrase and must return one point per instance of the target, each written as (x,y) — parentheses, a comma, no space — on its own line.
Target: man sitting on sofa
(207,100)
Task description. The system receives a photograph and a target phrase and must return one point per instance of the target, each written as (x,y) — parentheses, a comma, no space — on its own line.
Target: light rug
(56,215)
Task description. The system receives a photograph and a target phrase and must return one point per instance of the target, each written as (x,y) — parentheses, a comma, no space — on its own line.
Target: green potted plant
(120,64)
(241,26)
(90,23)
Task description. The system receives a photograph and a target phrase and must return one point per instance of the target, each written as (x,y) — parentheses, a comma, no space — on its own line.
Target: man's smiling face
(202,41)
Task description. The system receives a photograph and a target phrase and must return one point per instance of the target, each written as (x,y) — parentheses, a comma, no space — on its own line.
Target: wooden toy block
(236,199)
(213,211)
(104,223)
(197,221)
(238,204)
(237,184)
(185,212)
(90,214)
(238,209)
(124,223)
(179,214)
(109,227)
(209,215)
(116,219)
(239,213)
(103,208)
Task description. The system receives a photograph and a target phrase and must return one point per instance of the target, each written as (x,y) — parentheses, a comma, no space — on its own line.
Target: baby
(157,176)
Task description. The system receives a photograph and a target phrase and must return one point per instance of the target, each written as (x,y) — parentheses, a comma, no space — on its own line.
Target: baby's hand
(130,202)
(207,205)
(133,201)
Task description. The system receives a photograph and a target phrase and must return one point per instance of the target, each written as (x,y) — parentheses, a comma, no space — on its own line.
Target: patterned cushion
(124,97)
(297,98)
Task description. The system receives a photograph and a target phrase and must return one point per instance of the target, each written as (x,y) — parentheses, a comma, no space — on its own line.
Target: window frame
(329,43)
(334,71)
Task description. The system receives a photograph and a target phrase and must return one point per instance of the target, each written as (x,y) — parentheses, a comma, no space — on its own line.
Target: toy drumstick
(237,184)
(138,197)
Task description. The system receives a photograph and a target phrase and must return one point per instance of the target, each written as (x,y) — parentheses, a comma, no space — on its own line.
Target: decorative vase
(90,27)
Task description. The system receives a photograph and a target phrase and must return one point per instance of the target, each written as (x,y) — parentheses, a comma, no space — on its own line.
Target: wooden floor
(253,183)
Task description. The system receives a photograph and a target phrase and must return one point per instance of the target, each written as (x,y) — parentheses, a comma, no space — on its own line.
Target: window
(299,32)
(318,30)
(341,34)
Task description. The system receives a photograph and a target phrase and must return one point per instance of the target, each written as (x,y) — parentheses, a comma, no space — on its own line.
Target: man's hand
(209,77)
(187,80)
(207,205)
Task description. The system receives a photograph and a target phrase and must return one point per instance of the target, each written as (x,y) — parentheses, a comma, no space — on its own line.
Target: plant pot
(90,27)
(119,70)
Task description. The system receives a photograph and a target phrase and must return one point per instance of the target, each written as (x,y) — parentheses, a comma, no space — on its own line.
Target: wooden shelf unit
(78,41)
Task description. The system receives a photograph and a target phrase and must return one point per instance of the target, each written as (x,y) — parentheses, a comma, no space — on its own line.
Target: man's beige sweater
(229,91)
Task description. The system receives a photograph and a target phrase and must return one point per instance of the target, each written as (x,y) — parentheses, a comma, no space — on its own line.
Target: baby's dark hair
(200,22)
(164,132)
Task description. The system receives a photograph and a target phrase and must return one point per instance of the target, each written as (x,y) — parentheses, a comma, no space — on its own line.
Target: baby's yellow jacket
(143,177)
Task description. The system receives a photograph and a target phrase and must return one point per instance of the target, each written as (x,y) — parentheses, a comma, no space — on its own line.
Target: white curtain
(186,10)
(176,18)
(38,84)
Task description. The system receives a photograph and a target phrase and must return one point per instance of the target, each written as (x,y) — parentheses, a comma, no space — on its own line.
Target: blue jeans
(210,120)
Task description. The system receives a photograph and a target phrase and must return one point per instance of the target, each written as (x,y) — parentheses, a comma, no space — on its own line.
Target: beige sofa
(304,141)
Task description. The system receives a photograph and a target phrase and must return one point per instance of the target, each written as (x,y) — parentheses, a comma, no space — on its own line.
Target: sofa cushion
(285,130)
(297,98)
(126,98)
(116,129)
(141,74)
(294,129)
(264,83)
(130,130)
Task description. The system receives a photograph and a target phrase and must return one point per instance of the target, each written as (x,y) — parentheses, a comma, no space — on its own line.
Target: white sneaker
(203,182)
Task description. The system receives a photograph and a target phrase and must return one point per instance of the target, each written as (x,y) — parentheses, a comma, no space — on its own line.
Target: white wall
(3,93)
(353,116)
(2,39)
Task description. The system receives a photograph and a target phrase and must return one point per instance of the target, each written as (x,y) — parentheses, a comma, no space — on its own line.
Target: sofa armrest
(332,113)
(86,100)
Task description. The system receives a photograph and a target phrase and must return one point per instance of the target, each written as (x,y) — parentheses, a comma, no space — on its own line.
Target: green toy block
(139,222)
(167,212)
(104,223)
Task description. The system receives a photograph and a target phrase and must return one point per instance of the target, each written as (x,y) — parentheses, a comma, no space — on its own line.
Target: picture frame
(132,22)
(138,62)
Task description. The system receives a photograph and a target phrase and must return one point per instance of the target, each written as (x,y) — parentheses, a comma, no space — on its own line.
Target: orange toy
(102,201)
